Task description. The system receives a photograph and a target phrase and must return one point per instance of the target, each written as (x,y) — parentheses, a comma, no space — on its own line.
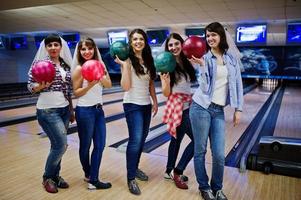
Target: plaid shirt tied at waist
(173,111)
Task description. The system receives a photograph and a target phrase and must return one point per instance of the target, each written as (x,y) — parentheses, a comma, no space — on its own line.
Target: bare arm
(165,83)
(106,81)
(153,95)
(126,79)
(77,81)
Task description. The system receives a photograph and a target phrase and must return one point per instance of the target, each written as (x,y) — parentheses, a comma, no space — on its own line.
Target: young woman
(138,74)
(54,106)
(220,84)
(89,113)
(177,87)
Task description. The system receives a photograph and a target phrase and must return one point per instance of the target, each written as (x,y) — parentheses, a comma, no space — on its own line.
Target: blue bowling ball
(165,62)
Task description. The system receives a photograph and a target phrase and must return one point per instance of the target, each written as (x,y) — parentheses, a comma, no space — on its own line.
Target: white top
(53,99)
(221,86)
(139,91)
(92,97)
(183,86)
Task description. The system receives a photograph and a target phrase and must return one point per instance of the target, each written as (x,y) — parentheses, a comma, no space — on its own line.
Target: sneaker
(98,185)
(169,176)
(61,183)
(140,175)
(133,187)
(179,182)
(50,186)
(219,195)
(207,195)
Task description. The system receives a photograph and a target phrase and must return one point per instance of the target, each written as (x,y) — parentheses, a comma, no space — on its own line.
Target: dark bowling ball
(165,62)
(194,46)
(119,49)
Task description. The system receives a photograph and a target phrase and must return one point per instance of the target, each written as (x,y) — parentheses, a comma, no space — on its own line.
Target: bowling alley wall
(275,56)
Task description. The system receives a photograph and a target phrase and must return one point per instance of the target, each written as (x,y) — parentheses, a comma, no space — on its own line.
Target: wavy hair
(146,56)
(186,70)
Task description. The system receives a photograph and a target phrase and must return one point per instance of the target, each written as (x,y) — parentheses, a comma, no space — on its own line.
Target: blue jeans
(208,123)
(138,119)
(174,146)
(54,122)
(91,126)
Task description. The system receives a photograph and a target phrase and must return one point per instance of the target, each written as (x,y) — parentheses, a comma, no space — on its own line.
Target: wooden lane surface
(252,104)
(22,159)
(29,110)
(289,118)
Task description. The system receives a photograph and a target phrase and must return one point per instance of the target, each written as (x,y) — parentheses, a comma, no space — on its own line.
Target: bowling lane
(252,104)
(29,110)
(289,118)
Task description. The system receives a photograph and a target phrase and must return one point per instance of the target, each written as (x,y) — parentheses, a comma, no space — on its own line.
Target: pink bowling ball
(93,70)
(43,71)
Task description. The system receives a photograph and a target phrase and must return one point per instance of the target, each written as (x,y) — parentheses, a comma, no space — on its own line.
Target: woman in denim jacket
(220,84)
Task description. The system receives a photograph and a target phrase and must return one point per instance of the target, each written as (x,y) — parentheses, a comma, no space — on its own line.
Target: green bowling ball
(165,62)
(120,49)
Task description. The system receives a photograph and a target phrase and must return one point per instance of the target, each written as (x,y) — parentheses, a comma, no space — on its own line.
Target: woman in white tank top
(138,74)
(89,113)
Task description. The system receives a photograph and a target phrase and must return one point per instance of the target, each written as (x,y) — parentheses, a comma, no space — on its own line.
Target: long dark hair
(219,29)
(89,42)
(186,70)
(146,56)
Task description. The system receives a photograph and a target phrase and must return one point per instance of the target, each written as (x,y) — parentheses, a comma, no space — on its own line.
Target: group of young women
(199,115)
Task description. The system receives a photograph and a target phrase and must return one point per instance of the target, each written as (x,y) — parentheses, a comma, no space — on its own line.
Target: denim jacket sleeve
(204,79)
(238,83)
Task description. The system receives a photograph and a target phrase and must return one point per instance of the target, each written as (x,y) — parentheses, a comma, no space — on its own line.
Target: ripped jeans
(55,122)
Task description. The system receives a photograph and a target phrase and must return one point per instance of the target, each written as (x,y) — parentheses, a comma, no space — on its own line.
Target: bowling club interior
(267,148)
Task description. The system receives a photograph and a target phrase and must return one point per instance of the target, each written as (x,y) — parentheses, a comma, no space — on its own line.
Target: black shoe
(140,175)
(219,195)
(98,185)
(207,195)
(61,183)
(133,187)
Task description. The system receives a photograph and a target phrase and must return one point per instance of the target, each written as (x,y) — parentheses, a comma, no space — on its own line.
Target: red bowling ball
(194,46)
(93,70)
(43,71)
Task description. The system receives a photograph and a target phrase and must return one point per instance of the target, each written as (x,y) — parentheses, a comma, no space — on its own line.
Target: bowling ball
(120,49)
(93,70)
(194,46)
(165,62)
(43,71)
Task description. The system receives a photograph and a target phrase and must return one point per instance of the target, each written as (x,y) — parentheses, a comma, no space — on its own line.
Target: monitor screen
(18,42)
(157,37)
(195,31)
(262,61)
(2,45)
(251,34)
(293,35)
(71,38)
(292,60)
(38,39)
(117,35)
